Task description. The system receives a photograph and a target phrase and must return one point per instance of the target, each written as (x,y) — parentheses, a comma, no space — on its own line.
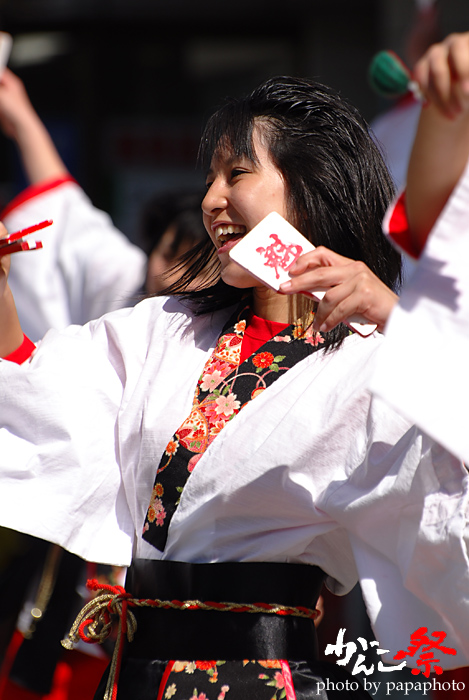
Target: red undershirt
(258,331)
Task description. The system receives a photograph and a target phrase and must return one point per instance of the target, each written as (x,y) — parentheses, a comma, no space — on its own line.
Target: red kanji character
(427,660)
(418,639)
(277,254)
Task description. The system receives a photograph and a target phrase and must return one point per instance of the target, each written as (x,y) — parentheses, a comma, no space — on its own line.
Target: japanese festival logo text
(423,648)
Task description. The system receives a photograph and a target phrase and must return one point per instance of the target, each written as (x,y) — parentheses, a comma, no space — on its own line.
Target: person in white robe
(87,267)
(426,378)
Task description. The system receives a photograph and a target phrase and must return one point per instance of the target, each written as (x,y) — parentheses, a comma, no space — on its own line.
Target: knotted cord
(94,621)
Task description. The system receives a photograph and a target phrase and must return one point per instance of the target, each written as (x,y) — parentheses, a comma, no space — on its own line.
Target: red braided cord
(81,631)
(94,585)
(230,607)
(121,593)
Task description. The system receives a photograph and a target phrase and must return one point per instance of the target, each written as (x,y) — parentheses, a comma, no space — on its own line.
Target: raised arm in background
(441,146)
(20,122)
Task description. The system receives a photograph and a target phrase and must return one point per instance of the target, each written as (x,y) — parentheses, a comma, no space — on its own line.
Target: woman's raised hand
(443,75)
(16,110)
(351,288)
(441,146)
(20,121)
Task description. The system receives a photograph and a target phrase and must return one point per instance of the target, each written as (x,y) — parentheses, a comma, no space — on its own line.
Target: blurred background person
(170,225)
(395,128)
(88,268)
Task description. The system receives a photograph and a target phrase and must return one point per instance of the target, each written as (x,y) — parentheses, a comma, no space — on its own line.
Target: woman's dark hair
(337,184)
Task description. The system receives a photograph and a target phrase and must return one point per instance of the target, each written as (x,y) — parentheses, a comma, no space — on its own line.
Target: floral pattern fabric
(234,680)
(224,388)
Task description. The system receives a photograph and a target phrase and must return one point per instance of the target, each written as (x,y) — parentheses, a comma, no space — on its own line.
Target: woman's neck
(270,305)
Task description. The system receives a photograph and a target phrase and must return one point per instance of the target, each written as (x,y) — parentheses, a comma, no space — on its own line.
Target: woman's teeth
(223,233)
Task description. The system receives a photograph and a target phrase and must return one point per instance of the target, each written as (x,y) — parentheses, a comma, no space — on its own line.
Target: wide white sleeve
(394,131)
(422,366)
(59,456)
(406,509)
(86,268)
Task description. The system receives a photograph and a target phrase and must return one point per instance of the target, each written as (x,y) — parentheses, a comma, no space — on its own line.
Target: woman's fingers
(443,74)
(363,295)
(349,285)
(319,270)
(313,269)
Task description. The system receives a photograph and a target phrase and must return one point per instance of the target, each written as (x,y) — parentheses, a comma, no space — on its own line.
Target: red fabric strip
(396,225)
(22,353)
(164,680)
(33,191)
(287,677)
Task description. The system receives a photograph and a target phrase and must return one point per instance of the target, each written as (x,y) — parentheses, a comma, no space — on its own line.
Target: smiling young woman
(295,147)
(229,452)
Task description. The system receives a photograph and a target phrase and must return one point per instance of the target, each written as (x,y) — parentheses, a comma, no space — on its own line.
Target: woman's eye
(237,171)
(208,184)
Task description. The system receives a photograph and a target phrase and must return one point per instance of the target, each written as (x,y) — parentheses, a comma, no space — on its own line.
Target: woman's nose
(215,198)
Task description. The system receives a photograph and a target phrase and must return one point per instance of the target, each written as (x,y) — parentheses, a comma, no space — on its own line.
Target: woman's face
(240,194)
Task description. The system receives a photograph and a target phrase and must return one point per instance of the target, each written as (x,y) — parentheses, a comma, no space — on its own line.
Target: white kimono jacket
(86,268)
(313,470)
(423,367)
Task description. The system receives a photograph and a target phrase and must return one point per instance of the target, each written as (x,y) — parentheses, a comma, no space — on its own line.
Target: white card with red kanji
(270,249)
